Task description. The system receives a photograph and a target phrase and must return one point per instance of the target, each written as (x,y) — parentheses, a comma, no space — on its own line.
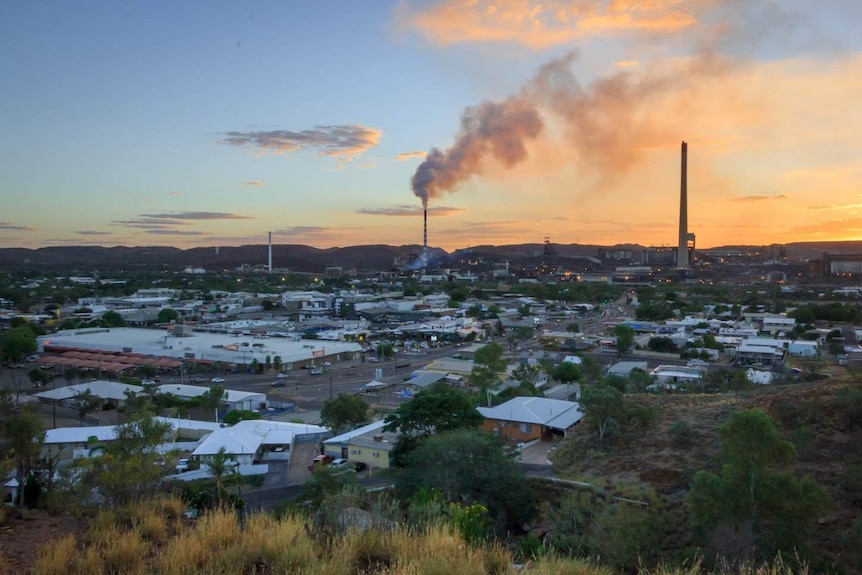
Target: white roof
(247,436)
(209,346)
(684,372)
(345,437)
(183,390)
(108,432)
(100,388)
(555,413)
(573,359)
(80,434)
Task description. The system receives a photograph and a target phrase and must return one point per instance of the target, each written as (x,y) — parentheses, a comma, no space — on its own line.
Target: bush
(681,434)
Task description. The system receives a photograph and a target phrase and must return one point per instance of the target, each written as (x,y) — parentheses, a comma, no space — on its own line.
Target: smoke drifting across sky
(606,126)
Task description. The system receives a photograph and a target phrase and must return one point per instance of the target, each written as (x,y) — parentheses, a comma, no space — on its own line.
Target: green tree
(234,416)
(385,350)
(467,467)
(85,402)
(625,337)
(213,398)
(756,497)
(113,319)
(438,408)
(488,366)
(604,407)
(567,372)
(18,342)
(344,412)
(167,315)
(277,363)
(128,468)
(219,465)
(39,376)
(23,430)
(527,374)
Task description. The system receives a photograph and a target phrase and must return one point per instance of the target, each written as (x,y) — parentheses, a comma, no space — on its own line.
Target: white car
(182,465)
(339,463)
(217,380)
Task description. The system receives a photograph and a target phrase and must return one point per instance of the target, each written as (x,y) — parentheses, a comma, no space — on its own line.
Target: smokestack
(424,255)
(682,252)
(270,252)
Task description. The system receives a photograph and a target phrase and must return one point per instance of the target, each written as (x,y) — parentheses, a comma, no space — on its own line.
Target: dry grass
(150,539)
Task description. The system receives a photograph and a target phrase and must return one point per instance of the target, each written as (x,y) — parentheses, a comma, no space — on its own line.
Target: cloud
(337,141)
(836,207)
(197,216)
(148,224)
(759,198)
(410,155)
(15,228)
(303,231)
(253,183)
(539,24)
(92,233)
(167,232)
(627,63)
(404,210)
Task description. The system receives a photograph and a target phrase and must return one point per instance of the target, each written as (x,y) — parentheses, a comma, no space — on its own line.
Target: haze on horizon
(199,123)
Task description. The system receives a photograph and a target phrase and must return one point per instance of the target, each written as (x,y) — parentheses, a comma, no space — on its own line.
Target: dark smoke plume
(489,131)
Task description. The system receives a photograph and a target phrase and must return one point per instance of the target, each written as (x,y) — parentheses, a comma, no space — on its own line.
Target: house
(368,444)
(672,376)
(249,440)
(109,392)
(807,349)
(624,368)
(247,400)
(64,443)
(762,351)
(523,419)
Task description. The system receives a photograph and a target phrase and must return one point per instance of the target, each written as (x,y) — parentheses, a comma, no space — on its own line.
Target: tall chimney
(424,239)
(270,253)
(682,252)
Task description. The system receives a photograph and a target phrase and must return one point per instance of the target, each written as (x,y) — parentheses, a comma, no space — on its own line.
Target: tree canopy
(18,342)
(488,366)
(756,497)
(439,408)
(343,412)
(468,466)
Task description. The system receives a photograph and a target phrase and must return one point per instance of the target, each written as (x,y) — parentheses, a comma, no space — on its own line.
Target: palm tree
(218,467)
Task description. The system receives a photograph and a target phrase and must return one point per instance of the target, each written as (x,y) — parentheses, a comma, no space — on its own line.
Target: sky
(212,123)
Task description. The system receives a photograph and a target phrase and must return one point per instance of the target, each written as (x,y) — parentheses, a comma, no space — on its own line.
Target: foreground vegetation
(152,537)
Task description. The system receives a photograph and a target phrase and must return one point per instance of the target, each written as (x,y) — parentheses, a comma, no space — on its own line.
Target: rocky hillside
(823,420)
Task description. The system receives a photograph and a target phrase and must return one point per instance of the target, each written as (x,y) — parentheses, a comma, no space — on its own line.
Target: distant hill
(302,258)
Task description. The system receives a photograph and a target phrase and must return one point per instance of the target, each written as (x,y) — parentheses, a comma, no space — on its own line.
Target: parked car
(339,463)
(360,466)
(182,465)
(315,371)
(278,383)
(373,359)
(281,376)
(320,461)
(217,380)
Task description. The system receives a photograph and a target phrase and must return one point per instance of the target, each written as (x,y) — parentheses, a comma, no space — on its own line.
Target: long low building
(233,399)
(186,345)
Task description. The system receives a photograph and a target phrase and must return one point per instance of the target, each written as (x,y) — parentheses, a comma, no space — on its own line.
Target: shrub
(681,434)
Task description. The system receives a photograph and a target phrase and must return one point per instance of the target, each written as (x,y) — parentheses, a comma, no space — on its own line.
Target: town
(289,376)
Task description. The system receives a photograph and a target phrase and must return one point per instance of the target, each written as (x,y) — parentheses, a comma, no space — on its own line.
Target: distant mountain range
(301,258)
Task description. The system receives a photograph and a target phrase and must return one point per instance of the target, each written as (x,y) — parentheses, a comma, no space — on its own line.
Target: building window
(501,424)
(526,428)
